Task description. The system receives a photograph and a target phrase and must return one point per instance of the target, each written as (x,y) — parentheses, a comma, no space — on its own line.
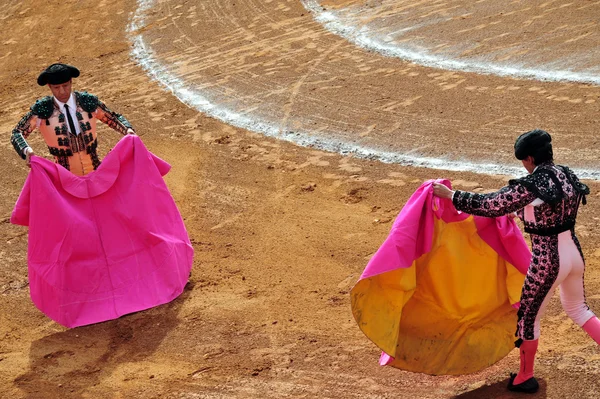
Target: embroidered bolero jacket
(547,200)
(76,152)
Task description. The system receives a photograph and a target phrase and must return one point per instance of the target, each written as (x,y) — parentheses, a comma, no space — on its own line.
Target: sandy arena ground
(281,232)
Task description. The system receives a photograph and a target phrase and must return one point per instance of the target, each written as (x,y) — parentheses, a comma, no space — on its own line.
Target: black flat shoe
(529,386)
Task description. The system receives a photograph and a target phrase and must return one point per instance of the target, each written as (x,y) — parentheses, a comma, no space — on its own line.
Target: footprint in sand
(276,357)
(346,166)
(348,282)
(333,354)
(13,287)
(223,136)
(355,195)
(333,176)
(316,160)
(358,178)
(338,180)
(396,179)
(392,182)
(469,185)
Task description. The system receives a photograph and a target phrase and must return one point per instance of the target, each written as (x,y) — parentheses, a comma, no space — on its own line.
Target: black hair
(536,143)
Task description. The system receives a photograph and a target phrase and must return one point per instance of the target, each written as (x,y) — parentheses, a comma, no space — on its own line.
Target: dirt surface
(278,65)
(281,232)
(534,34)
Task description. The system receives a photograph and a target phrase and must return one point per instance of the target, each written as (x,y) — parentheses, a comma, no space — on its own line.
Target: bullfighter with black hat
(67,121)
(547,201)
(99,246)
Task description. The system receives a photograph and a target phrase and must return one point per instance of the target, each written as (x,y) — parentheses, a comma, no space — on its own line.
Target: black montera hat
(57,74)
(537,143)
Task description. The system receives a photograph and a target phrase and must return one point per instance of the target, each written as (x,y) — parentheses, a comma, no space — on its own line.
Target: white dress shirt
(72,111)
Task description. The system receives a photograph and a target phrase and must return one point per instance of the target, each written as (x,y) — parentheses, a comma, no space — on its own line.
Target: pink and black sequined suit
(547,201)
(76,152)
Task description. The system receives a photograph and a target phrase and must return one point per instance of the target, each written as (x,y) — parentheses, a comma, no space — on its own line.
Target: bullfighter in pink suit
(547,200)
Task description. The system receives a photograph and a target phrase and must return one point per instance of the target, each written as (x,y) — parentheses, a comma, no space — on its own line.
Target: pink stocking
(592,327)
(527,350)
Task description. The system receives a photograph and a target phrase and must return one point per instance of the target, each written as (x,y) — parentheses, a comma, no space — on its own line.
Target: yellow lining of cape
(450,312)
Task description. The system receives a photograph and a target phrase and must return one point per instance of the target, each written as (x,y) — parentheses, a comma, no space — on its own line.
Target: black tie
(70,120)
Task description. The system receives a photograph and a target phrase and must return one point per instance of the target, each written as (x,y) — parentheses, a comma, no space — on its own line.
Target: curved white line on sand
(364,38)
(146,58)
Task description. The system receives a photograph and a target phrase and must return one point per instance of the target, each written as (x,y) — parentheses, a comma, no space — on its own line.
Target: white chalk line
(146,58)
(363,37)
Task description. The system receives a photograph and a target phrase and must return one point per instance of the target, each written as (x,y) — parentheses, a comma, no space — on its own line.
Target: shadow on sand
(499,391)
(66,364)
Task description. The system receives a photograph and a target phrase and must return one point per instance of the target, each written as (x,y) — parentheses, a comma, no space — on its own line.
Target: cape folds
(438,295)
(105,244)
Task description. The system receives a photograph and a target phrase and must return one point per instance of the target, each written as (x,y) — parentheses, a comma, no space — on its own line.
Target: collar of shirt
(72,110)
(70,102)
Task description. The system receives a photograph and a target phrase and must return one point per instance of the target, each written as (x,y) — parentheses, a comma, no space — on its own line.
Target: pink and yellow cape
(437,296)
(105,244)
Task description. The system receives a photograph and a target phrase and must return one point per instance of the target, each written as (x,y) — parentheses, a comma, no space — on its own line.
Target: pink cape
(105,244)
(412,231)
(381,296)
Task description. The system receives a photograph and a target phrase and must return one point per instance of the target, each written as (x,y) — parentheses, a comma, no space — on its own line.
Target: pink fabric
(592,328)
(570,281)
(412,232)
(385,359)
(527,351)
(105,244)
(505,237)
